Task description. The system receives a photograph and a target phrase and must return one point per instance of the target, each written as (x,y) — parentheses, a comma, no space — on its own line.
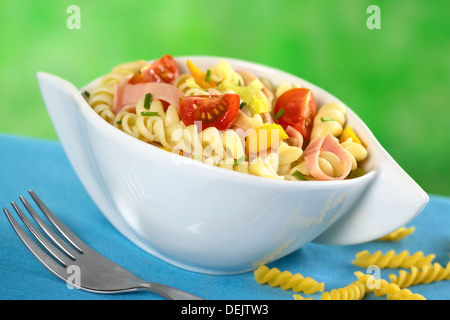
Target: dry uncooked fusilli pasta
(398,234)
(426,274)
(286,280)
(381,287)
(354,291)
(392,260)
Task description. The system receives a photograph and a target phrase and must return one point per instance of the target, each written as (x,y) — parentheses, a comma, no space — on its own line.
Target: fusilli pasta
(357,152)
(426,274)
(330,119)
(286,280)
(383,288)
(353,291)
(392,260)
(398,234)
(329,163)
(102,96)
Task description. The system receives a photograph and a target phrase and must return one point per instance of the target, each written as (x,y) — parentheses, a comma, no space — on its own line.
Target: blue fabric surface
(41,165)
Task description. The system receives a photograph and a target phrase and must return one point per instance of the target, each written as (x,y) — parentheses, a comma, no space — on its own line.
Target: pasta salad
(231,119)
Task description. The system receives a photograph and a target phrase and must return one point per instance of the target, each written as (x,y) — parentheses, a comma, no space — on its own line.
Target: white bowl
(212,220)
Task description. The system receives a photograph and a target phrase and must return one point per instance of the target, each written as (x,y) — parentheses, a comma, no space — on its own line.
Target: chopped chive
(119,122)
(299,175)
(323,119)
(240,160)
(239,82)
(86,94)
(148,99)
(242,105)
(279,114)
(208,75)
(149,113)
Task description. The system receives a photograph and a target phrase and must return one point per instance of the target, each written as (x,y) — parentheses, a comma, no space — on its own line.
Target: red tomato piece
(211,111)
(297,108)
(162,70)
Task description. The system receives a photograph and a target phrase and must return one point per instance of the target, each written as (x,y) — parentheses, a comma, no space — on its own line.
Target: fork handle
(167,292)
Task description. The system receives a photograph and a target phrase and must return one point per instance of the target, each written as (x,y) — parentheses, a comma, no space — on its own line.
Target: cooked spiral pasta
(223,72)
(383,288)
(398,234)
(188,142)
(330,119)
(182,83)
(102,96)
(392,260)
(329,163)
(357,152)
(265,167)
(287,156)
(426,274)
(187,85)
(126,121)
(158,126)
(286,280)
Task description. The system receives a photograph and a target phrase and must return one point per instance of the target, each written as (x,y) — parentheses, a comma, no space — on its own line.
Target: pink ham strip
(129,94)
(328,143)
(295,137)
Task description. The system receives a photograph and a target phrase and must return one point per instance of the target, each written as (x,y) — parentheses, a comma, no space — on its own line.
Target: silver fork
(96,273)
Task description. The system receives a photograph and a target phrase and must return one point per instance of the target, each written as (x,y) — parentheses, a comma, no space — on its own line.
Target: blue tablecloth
(41,165)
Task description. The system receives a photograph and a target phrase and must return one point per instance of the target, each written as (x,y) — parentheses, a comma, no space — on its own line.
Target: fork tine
(58,255)
(61,227)
(52,235)
(42,256)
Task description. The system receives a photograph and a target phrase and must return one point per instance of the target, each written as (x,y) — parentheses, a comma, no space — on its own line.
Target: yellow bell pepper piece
(199,76)
(348,133)
(264,137)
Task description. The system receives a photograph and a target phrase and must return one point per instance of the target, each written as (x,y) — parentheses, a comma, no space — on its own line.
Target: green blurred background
(397,78)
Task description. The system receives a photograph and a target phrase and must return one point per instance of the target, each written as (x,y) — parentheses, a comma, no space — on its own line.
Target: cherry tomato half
(162,70)
(297,108)
(212,111)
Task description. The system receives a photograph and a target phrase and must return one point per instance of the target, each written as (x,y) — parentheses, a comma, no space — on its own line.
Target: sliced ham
(331,144)
(268,118)
(129,94)
(295,137)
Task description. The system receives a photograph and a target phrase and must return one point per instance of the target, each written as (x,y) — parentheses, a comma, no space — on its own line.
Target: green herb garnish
(87,94)
(242,105)
(149,113)
(279,114)
(148,99)
(240,160)
(119,122)
(299,175)
(324,119)
(208,75)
